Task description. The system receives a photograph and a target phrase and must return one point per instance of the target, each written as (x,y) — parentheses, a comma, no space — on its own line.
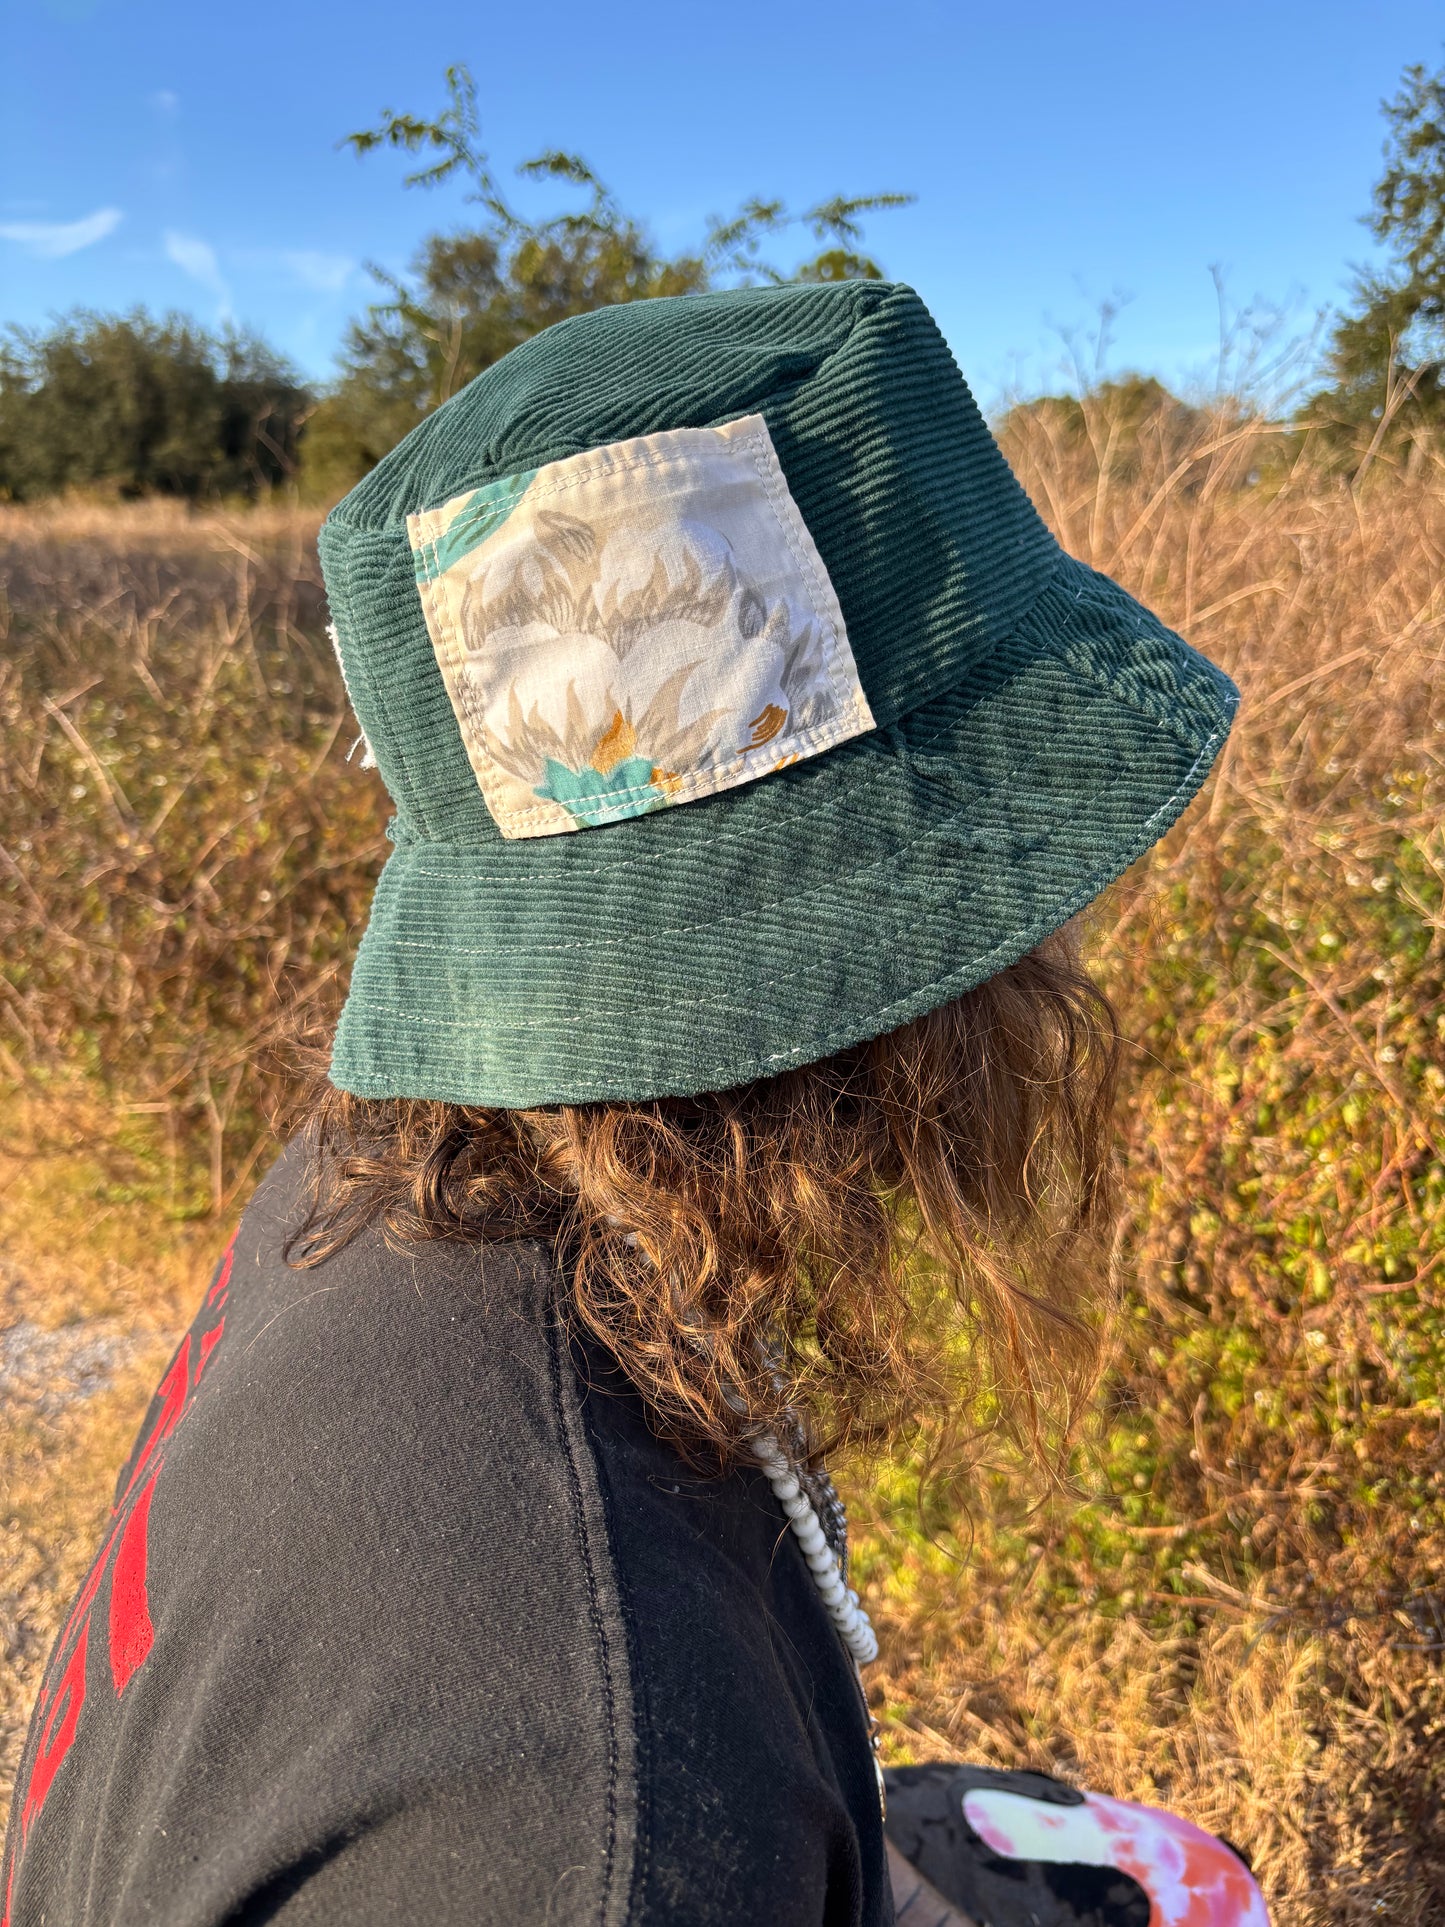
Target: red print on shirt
(124,1555)
(131,1632)
(61,1720)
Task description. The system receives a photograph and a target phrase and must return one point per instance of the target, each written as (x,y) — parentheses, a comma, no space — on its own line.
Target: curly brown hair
(906,1233)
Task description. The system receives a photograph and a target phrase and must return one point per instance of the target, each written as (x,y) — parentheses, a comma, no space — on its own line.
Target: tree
(138,406)
(475,294)
(1387,355)
(1121,423)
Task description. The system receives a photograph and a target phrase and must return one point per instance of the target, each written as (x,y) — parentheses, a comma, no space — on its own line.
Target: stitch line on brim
(965,975)
(1141,706)
(1098,881)
(1025,847)
(789,976)
(1018,847)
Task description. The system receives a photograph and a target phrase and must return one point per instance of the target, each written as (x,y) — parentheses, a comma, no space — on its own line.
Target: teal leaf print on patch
(481,515)
(585,793)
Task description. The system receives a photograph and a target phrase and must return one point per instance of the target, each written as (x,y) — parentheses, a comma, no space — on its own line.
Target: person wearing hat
(719,1080)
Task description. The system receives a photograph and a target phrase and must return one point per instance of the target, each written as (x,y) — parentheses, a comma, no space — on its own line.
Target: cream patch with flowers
(635,627)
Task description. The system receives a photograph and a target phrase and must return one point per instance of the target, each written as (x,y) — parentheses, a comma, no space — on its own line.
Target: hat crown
(931,545)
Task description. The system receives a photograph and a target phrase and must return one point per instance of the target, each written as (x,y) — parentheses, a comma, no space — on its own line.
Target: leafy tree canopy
(1387,355)
(138,406)
(475,294)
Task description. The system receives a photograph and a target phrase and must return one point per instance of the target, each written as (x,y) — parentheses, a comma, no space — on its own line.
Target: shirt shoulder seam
(604,1611)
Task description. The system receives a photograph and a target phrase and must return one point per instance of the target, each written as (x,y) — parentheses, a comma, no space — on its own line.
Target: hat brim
(823,905)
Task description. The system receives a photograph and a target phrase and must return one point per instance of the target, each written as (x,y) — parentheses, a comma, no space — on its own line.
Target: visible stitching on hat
(619,466)
(812,741)
(791,975)
(1053,645)
(829,736)
(571,1023)
(775,903)
(1019,848)
(759,443)
(855,717)
(835,1039)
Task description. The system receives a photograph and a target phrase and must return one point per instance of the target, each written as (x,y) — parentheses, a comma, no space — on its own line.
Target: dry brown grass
(96,1278)
(185,854)
(1246,1619)
(1245,1614)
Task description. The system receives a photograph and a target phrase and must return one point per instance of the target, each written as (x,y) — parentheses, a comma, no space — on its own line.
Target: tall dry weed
(1247,1619)
(185,854)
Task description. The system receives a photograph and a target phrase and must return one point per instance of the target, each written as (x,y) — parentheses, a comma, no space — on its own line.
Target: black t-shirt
(404,1614)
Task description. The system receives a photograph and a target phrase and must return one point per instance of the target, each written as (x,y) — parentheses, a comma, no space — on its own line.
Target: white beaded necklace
(854,1628)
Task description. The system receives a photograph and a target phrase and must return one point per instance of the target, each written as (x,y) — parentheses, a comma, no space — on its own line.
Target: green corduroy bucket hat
(736,704)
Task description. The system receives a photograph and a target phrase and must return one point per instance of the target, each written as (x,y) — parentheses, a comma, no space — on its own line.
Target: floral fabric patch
(634,627)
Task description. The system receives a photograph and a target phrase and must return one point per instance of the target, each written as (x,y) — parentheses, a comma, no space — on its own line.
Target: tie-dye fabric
(1192,1879)
(634,627)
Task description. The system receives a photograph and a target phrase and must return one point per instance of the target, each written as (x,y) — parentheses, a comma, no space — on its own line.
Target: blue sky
(184,155)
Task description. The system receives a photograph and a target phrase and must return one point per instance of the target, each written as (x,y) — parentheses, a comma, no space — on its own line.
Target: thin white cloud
(197,258)
(327,273)
(164,101)
(51,240)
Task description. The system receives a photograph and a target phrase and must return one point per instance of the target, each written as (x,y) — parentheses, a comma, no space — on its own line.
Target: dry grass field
(1242,1613)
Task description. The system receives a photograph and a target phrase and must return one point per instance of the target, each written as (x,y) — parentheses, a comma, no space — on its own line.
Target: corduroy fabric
(933,548)
(1038,730)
